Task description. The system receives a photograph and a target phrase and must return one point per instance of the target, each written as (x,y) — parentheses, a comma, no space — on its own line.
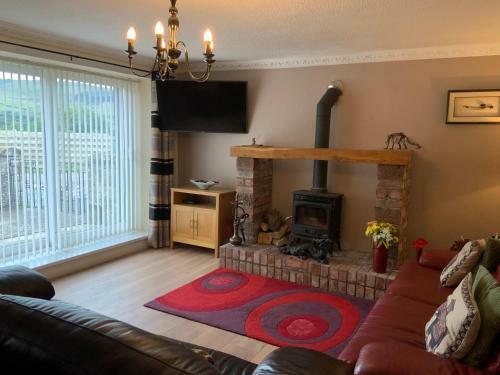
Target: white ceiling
(267,29)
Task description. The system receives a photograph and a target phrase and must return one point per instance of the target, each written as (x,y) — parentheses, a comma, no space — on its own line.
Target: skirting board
(82,262)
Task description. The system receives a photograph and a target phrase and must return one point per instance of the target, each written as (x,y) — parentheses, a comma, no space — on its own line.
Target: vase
(380,255)
(419,253)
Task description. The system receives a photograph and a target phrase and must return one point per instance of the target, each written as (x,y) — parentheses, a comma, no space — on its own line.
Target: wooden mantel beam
(388,157)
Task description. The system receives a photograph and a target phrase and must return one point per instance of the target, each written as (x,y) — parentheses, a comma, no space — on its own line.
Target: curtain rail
(71,56)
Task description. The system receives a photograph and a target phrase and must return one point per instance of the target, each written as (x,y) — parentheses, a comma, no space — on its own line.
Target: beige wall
(456,176)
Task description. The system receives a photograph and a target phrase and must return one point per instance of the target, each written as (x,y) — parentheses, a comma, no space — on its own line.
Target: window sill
(84,257)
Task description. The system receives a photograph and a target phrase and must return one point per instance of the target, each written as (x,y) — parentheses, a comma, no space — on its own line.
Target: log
(280,233)
(264,238)
(280,242)
(274,219)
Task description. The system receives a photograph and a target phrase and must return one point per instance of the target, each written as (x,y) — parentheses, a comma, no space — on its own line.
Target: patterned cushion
(491,255)
(487,296)
(462,263)
(453,329)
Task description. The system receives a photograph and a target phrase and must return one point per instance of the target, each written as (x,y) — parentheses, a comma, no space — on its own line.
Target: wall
(455,178)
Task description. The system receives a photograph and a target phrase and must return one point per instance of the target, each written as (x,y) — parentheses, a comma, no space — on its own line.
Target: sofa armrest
(23,281)
(437,259)
(299,361)
(397,359)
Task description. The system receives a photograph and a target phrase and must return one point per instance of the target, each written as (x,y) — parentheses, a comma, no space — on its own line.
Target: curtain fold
(161,178)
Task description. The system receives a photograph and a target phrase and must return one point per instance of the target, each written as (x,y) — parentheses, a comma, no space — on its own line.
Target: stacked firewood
(274,229)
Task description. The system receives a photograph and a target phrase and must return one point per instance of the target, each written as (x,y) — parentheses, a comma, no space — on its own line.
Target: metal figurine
(401,141)
(317,248)
(238,222)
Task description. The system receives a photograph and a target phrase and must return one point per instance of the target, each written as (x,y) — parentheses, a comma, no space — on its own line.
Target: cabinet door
(182,222)
(205,225)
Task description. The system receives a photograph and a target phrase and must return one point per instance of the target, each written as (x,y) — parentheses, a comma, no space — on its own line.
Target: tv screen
(212,107)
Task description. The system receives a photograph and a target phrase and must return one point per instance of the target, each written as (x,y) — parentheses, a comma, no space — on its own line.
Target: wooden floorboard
(120,288)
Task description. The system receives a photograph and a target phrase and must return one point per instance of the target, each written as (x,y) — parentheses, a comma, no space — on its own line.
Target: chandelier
(168,53)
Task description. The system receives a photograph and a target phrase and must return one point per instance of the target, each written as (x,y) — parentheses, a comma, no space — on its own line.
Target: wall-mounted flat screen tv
(211,107)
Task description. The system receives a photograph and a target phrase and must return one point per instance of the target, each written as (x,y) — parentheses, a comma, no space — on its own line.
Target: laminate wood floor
(120,288)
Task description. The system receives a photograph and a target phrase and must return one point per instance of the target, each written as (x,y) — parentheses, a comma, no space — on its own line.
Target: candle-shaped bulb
(131,36)
(207,37)
(208,41)
(159,30)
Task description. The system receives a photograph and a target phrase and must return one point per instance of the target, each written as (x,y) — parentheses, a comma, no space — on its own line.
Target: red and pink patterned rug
(277,312)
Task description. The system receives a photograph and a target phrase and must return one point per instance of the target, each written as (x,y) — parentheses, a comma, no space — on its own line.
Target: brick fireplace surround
(351,271)
(254,182)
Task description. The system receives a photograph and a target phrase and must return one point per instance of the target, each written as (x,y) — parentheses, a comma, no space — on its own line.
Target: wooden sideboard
(206,223)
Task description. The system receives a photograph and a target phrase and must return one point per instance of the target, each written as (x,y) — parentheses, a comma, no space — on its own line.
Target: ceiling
(267,29)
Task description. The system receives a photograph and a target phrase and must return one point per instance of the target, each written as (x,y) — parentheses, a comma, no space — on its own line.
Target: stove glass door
(312,215)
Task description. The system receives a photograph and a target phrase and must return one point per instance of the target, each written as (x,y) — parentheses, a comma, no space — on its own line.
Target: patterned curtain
(162,175)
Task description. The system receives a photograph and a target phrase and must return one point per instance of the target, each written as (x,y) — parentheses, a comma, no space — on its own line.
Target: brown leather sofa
(40,335)
(391,339)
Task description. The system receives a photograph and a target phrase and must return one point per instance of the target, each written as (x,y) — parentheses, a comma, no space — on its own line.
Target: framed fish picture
(473,107)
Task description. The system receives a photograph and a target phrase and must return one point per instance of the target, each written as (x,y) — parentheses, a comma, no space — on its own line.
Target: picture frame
(473,107)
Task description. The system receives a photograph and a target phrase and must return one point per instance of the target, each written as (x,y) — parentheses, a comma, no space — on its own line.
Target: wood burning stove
(317,215)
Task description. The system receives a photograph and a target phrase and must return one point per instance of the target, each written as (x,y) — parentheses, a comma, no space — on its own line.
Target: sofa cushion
(227,364)
(462,263)
(420,284)
(437,259)
(395,319)
(491,255)
(299,361)
(401,359)
(487,294)
(453,329)
(492,365)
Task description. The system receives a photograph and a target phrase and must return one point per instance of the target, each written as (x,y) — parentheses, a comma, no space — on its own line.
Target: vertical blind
(67,160)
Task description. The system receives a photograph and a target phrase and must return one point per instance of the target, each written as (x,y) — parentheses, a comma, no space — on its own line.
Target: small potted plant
(383,235)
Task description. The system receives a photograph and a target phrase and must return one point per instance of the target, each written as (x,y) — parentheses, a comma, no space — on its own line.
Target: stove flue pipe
(323,119)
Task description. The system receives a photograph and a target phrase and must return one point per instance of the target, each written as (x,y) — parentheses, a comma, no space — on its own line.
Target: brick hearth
(254,186)
(349,272)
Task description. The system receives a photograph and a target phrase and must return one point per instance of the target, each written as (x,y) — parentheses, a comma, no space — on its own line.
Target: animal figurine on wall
(399,141)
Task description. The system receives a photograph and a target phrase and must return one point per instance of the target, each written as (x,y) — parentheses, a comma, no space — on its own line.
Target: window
(67,160)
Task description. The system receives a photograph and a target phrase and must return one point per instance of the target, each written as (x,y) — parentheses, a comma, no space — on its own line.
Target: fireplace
(317,215)
(255,176)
